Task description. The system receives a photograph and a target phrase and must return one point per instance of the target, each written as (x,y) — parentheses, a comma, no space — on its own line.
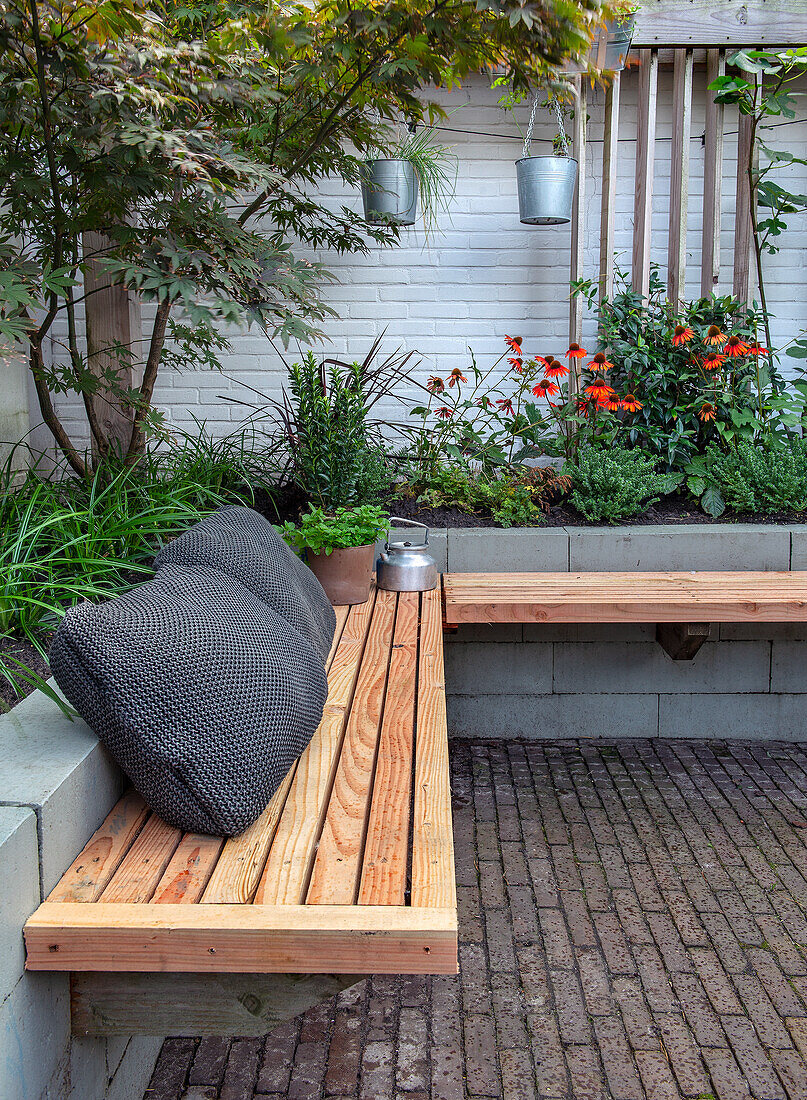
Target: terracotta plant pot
(344,574)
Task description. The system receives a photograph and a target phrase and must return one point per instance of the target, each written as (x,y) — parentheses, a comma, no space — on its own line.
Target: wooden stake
(645,158)
(712,178)
(679,178)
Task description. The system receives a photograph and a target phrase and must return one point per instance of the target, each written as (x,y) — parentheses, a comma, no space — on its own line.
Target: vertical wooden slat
(742,224)
(578,211)
(679,177)
(645,159)
(712,178)
(610,150)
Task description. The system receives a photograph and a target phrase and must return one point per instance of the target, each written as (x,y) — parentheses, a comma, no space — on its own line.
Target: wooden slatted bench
(348,872)
(683,605)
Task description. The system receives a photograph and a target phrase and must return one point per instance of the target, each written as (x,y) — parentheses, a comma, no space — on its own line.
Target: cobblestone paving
(632,926)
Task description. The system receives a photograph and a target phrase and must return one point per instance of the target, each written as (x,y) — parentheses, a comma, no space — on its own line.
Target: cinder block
(485,632)
(438,548)
(34,1033)
(542,717)
(629,667)
(789,667)
(57,768)
(798,547)
(136,1067)
(498,668)
(589,632)
(767,717)
(518,550)
(766,632)
(19,865)
(690,546)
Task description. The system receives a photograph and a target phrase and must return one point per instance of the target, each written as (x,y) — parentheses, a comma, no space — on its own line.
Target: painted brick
(504,668)
(738,546)
(520,550)
(552,716)
(19,864)
(624,666)
(763,717)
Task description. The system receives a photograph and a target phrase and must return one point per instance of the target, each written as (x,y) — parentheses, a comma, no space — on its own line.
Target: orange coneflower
(435,384)
(583,404)
(757,349)
(599,391)
(506,405)
(444,412)
(600,363)
(735,347)
(707,412)
(545,389)
(554,368)
(516,364)
(456,376)
(612,403)
(514,344)
(576,352)
(682,334)
(715,336)
(630,404)
(713,360)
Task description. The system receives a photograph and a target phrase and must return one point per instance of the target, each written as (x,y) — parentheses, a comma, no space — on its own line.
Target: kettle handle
(408,523)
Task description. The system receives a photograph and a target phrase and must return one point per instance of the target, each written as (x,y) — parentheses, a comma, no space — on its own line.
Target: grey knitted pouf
(199,687)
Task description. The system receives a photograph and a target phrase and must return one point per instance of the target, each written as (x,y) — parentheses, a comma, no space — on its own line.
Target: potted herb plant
(416,171)
(546,184)
(339,549)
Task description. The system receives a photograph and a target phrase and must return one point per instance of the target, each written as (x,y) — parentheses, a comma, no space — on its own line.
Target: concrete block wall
(56,786)
(614,680)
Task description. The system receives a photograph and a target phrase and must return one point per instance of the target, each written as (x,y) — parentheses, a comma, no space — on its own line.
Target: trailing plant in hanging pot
(416,173)
(546,184)
(610,45)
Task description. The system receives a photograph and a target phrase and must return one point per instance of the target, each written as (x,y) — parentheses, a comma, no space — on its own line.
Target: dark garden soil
(11,650)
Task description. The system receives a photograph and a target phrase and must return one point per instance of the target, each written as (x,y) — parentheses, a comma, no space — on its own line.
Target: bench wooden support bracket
(107,1004)
(681,641)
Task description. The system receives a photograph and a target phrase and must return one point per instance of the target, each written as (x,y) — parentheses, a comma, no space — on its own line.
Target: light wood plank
(578,218)
(386,850)
(433,882)
(143,865)
(238,870)
(89,873)
(721,23)
(285,876)
(742,216)
(712,178)
(102,1005)
(341,612)
(337,867)
(189,870)
(645,163)
(242,939)
(610,170)
(679,179)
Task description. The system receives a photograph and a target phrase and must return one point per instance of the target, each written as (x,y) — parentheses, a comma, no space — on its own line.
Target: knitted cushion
(201,690)
(240,542)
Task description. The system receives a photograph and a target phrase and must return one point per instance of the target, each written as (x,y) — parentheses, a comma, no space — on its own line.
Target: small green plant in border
(347,527)
(763,479)
(614,484)
(519,496)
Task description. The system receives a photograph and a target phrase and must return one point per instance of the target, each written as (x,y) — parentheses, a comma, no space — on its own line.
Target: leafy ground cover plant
(347,527)
(515,497)
(615,483)
(753,478)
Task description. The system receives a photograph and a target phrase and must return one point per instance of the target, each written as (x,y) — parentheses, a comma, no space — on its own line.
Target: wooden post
(578,214)
(742,223)
(679,178)
(712,178)
(610,150)
(113,341)
(645,157)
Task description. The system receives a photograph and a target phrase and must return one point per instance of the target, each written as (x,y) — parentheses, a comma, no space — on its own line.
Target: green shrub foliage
(762,479)
(613,484)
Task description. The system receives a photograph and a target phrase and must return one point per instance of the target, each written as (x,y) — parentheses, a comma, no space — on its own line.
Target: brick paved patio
(632,926)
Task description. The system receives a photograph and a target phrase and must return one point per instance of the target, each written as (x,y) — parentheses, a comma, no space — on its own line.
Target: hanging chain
(564,141)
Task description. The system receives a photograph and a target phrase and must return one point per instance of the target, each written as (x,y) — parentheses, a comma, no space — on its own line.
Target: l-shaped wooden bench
(348,872)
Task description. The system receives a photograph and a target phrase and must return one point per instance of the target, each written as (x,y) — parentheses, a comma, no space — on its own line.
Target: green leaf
(712,502)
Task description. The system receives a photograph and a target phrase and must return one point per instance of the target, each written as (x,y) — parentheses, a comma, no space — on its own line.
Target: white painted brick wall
(486,274)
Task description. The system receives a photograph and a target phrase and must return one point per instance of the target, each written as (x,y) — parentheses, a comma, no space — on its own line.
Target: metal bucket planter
(546,189)
(390,191)
(609,50)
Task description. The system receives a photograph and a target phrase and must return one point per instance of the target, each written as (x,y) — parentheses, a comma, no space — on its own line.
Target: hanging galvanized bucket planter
(390,191)
(609,50)
(546,185)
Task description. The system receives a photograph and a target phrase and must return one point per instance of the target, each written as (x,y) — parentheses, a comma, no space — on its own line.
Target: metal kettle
(406,566)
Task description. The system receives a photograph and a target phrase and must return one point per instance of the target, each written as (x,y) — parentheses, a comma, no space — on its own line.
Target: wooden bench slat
(94,867)
(386,849)
(285,876)
(189,870)
(143,865)
(433,881)
(334,879)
